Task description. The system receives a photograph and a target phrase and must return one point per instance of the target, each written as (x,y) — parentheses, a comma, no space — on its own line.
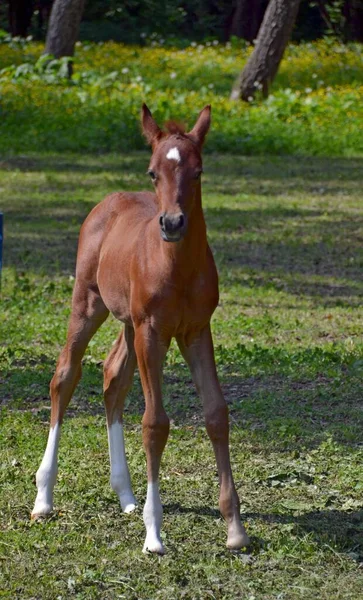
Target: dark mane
(175,127)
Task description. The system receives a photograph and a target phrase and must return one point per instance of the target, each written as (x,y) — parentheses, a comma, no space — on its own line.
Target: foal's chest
(177,305)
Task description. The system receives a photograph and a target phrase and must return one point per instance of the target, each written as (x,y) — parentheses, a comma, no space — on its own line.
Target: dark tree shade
(247,18)
(353,12)
(20,16)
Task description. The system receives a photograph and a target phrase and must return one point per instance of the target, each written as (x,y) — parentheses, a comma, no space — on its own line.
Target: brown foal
(145,258)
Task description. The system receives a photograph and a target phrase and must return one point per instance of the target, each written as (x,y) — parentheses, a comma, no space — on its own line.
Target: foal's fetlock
(122,488)
(43,505)
(45,481)
(128,502)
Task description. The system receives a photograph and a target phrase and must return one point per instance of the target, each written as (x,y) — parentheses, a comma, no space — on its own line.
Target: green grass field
(287,236)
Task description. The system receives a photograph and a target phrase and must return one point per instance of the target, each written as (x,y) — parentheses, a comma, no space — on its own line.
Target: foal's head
(175,169)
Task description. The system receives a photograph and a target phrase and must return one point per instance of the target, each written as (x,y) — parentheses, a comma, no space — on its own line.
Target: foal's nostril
(172,223)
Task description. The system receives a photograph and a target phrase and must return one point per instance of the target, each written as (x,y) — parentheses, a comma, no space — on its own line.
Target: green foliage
(46,69)
(287,238)
(315,107)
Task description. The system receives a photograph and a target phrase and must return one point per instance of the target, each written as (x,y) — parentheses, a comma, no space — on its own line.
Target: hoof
(129,508)
(238,540)
(41,510)
(37,515)
(154,545)
(128,502)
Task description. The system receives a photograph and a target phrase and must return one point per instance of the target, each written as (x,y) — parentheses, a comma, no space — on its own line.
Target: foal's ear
(202,125)
(150,128)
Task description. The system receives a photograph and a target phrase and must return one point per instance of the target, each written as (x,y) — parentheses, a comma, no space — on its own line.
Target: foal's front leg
(200,357)
(151,351)
(88,313)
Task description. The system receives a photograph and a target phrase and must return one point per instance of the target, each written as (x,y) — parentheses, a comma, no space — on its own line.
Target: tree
(265,59)
(63,28)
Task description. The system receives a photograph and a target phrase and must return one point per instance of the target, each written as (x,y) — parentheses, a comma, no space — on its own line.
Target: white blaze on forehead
(173,154)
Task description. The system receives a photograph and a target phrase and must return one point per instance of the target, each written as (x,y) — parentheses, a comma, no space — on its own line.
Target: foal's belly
(116,299)
(114,273)
(171,312)
(114,285)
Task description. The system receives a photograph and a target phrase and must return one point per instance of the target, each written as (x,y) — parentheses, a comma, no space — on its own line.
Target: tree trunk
(63,28)
(20,16)
(265,59)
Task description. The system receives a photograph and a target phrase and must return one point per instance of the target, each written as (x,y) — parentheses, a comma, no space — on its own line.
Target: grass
(315,108)
(287,237)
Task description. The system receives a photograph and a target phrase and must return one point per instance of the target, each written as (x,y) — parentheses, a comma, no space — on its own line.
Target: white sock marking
(153,516)
(173,154)
(120,476)
(47,474)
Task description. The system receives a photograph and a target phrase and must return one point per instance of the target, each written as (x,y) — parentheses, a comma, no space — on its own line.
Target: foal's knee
(155,426)
(64,376)
(115,380)
(62,386)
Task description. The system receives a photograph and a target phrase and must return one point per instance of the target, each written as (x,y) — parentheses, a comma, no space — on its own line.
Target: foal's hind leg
(200,357)
(88,313)
(119,369)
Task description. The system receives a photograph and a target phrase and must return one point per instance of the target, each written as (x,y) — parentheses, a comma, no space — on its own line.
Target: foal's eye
(152,175)
(198,174)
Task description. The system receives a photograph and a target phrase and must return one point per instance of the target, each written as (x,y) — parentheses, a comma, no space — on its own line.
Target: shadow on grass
(290,251)
(39,242)
(282,173)
(282,176)
(73,163)
(273,408)
(342,529)
(293,249)
(267,411)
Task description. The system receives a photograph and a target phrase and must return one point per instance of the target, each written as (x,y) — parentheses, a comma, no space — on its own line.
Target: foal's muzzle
(173,226)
